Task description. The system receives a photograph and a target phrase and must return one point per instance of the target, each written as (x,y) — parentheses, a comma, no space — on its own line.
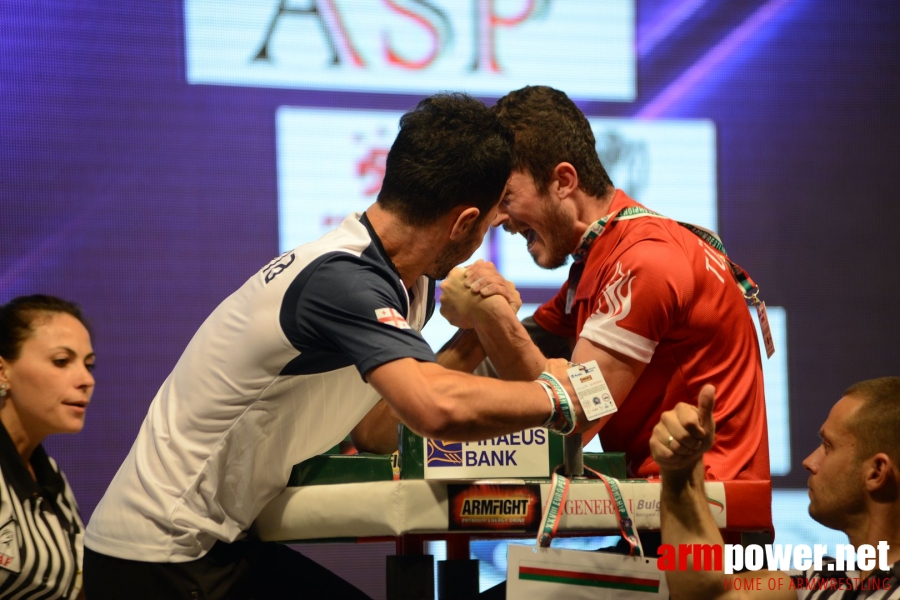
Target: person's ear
(464,223)
(4,380)
(565,180)
(879,473)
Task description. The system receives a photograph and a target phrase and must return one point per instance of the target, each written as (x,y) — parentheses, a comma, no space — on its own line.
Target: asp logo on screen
(485,47)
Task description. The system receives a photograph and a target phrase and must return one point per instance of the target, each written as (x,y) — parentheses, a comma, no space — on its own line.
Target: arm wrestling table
(412,511)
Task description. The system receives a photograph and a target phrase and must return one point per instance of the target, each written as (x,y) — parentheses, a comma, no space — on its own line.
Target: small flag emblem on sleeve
(390,316)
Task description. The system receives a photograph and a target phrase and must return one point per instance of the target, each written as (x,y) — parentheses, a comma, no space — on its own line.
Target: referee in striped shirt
(46,383)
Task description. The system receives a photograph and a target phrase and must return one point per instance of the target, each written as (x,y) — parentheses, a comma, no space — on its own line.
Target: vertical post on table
(458,575)
(410,574)
(573,455)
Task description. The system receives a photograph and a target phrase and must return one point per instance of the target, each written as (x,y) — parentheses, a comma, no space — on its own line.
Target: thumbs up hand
(684,433)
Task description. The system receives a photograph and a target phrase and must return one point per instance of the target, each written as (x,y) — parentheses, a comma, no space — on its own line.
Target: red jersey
(654,291)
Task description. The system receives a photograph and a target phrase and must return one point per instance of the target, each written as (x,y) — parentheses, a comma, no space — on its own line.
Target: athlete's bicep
(353,309)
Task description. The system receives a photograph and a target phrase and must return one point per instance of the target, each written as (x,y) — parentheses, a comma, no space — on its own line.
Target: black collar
(49,483)
(364,219)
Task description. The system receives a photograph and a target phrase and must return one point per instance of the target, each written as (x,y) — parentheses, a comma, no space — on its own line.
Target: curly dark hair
(451,150)
(549,130)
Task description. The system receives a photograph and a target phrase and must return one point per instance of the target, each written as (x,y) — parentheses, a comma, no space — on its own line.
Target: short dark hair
(451,151)
(549,130)
(876,424)
(17,319)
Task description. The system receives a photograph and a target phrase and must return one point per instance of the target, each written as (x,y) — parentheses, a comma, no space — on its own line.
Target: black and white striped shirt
(41,533)
(838,585)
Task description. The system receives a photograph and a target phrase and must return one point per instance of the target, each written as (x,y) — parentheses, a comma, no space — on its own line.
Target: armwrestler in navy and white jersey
(286,366)
(271,378)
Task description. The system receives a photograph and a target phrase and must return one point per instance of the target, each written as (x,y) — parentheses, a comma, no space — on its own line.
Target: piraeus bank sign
(522,454)
(484,47)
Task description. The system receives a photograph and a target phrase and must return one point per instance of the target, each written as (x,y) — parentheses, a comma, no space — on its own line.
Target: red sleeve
(552,315)
(637,296)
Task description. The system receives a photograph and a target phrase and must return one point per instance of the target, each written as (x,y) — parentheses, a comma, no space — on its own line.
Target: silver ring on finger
(669,442)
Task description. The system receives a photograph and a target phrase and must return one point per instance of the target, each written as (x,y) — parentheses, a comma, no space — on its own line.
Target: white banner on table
(588,500)
(551,573)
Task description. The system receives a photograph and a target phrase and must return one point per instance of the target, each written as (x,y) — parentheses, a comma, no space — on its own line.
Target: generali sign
(484,47)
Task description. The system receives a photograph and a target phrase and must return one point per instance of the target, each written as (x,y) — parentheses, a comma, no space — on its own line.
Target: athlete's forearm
(377,432)
(686,520)
(444,404)
(507,343)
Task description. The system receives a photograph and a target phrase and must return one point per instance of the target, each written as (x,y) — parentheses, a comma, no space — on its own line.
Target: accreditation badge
(592,391)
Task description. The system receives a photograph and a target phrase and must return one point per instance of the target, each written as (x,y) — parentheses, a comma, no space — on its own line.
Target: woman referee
(46,383)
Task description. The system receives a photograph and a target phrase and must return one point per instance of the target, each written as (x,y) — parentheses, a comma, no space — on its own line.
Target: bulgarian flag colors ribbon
(588,579)
(559,489)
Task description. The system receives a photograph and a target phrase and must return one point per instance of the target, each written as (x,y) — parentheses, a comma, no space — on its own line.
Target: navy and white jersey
(41,533)
(274,376)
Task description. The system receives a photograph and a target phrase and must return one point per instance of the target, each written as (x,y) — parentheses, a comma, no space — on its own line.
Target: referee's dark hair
(17,319)
(549,130)
(876,424)
(451,151)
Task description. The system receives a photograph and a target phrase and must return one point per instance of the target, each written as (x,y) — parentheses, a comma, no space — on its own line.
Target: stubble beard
(557,226)
(840,507)
(452,255)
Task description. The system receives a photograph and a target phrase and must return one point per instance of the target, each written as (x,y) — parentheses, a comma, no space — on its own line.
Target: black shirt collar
(364,219)
(49,481)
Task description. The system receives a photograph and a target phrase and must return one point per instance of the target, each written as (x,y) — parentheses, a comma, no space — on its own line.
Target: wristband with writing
(565,420)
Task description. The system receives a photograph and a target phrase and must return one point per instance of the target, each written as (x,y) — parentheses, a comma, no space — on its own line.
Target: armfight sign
(494,507)
(484,47)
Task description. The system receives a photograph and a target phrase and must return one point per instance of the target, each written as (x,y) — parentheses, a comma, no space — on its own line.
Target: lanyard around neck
(745,283)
